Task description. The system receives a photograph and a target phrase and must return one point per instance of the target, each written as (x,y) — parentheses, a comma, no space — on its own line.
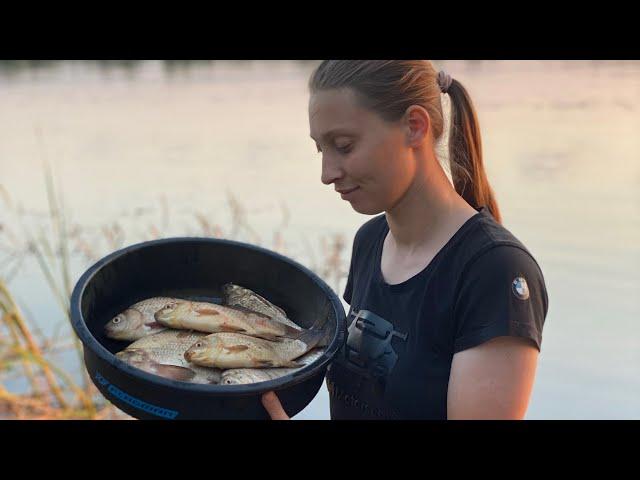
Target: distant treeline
(9,67)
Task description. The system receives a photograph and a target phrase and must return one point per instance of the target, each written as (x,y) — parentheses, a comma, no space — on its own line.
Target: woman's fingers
(274,407)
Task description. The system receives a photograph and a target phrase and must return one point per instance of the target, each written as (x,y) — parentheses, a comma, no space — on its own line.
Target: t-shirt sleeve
(502,293)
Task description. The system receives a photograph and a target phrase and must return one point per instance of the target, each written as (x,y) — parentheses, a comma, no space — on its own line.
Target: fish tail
(317,335)
(311,337)
(291,332)
(326,338)
(174,372)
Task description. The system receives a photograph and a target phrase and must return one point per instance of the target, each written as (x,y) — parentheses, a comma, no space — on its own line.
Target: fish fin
(264,363)
(237,348)
(294,364)
(311,337)
(231,328)
(267,303)
(206,311)
(174,372)
(184,333)
(319,323)
(284,314)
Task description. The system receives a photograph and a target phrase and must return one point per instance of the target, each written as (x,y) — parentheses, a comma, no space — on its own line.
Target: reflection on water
(561,150)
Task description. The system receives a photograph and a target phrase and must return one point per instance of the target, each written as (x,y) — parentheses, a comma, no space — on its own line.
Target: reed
(53,393)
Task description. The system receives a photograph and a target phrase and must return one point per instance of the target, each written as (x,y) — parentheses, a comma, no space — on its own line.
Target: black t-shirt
(482,284)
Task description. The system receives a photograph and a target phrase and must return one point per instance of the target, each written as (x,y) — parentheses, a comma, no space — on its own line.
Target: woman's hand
(274,407)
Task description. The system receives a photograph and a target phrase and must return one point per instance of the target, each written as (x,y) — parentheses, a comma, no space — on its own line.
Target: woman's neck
(430,211)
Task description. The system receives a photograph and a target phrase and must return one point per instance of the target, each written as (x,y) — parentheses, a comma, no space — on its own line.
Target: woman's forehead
(330,108)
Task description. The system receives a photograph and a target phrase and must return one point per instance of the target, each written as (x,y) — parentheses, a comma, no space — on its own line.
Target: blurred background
(97,155)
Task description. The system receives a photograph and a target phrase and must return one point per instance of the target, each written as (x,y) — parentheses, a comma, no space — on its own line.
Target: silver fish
(137,321)
(214,318)
(235,350)
(241,376)
(235,295)
(163,354)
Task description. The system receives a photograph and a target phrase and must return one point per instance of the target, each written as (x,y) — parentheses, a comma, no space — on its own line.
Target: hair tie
(444,81)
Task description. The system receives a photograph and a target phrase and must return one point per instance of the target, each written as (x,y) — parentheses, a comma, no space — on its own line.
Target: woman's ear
(417,124)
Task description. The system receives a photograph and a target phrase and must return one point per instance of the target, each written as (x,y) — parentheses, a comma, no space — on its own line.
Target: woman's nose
(330,171)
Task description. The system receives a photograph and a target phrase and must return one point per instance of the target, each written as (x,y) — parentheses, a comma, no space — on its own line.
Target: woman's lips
(347,193)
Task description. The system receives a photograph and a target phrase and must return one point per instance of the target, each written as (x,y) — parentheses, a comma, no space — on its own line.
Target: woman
(446,305)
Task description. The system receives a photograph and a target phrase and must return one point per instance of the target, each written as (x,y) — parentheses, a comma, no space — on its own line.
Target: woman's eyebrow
(333,132)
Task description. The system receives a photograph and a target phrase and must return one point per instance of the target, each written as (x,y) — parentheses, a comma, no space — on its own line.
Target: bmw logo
(520,288)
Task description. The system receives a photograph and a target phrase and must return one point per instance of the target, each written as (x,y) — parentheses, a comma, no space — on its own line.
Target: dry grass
(25,353)
(52,393)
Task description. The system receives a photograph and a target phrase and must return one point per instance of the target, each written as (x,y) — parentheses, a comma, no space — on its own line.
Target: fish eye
(117,320)
(198,345)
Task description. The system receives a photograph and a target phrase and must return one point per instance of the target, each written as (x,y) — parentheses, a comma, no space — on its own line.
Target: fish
(137,321)
(236,350)
(214,318)
(241,376)
(163,354)
(235,295)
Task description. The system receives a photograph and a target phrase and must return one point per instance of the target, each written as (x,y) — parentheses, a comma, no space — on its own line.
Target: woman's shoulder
(492,250)
(494,239)
(370,230)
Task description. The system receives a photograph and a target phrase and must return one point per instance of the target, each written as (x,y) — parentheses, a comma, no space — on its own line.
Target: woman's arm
(493,380)
(274,407)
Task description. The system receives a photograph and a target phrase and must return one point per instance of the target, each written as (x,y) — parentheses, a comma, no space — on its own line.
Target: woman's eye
(344,148)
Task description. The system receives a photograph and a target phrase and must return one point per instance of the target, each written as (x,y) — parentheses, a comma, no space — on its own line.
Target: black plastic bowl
(196,268)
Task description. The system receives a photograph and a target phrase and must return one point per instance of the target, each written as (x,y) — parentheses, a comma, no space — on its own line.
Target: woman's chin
(365,209)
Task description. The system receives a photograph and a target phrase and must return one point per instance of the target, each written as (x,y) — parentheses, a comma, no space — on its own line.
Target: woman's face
(361,153)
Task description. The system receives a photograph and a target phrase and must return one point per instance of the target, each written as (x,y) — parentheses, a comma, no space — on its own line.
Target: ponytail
(465,153)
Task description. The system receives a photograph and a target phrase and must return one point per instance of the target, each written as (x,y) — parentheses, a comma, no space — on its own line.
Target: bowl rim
(95,347)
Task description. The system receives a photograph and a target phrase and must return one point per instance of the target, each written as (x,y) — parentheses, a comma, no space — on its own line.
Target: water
(561,149)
